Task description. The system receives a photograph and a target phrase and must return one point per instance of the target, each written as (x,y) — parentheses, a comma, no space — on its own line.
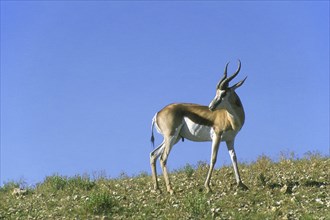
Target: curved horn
(235,74)
(220,84)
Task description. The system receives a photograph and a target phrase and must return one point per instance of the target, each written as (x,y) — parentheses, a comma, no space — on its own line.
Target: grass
(290,188)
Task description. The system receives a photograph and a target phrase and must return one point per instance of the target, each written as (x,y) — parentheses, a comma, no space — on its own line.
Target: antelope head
(223,91)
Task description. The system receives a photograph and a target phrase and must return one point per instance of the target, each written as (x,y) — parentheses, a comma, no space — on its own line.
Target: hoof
(242,186)
(156,191)
(170,191)
(208,189)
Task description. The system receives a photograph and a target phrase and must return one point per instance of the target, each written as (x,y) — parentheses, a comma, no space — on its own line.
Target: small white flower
(319,201)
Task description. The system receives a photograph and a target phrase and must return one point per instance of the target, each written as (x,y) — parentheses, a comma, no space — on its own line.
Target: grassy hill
(288,189)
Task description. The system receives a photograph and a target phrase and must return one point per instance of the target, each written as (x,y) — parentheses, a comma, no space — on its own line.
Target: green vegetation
(288,189)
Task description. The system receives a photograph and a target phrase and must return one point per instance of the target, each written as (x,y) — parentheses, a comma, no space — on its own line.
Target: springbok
(218,122)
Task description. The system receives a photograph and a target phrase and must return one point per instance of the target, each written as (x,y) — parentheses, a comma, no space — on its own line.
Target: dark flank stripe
(196,115)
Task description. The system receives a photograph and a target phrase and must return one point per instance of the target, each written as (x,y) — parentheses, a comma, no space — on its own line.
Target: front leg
(232,153)
(214,153)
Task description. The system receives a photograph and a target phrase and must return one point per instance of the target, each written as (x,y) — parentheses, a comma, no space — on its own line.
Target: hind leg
(169,143)
(153,157)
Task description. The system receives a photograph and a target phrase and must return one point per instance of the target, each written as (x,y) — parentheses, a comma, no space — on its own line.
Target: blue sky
(81,80)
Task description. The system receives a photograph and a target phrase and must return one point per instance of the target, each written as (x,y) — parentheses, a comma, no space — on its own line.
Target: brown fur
(225,115)
(170,117)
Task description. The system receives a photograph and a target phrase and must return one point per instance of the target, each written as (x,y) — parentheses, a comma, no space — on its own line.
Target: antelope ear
(238,84)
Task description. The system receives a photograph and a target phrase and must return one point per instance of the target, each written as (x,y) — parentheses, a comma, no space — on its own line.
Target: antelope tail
(152,139)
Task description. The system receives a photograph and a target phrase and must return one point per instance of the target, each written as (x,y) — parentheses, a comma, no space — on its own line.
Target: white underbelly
(195,132)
